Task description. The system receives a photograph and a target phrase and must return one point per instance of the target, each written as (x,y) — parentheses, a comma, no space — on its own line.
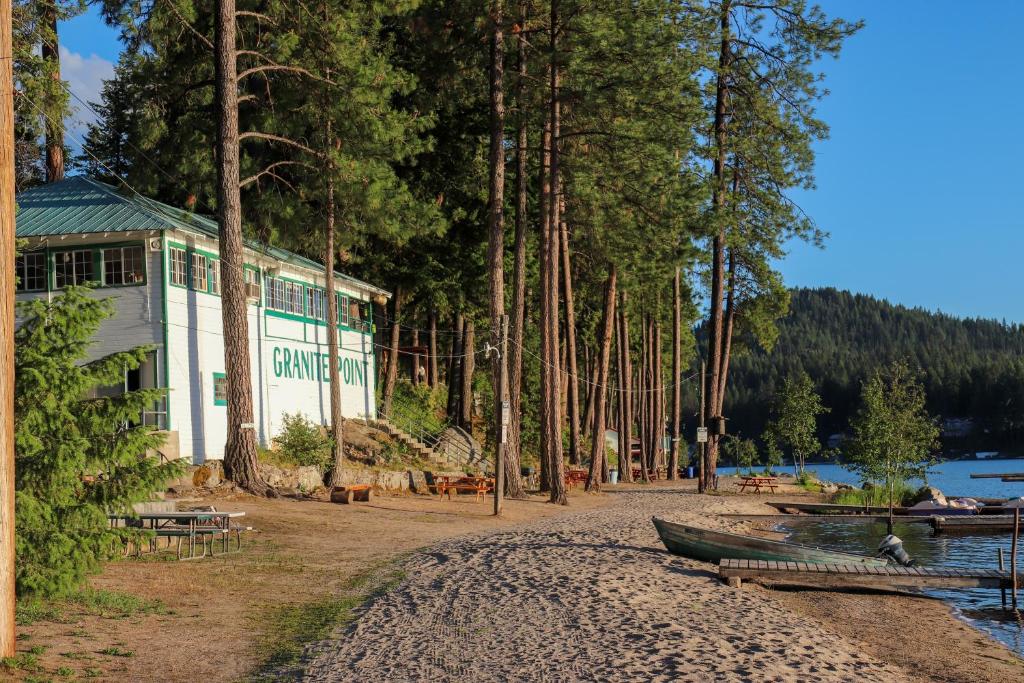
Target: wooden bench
(346,494)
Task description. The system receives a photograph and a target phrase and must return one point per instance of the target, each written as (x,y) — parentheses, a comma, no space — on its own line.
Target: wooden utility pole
(701,483)
(503,410)
(6,334)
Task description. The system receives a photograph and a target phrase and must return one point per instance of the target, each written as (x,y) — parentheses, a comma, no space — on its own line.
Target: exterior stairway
(419,447)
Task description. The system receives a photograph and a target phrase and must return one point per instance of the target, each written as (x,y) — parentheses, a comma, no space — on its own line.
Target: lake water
(980,607)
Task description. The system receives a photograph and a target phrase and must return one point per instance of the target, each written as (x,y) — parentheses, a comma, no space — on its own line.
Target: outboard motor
(892,548)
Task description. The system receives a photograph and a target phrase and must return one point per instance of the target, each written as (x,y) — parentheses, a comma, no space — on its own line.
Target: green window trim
(218,400)
(213,274)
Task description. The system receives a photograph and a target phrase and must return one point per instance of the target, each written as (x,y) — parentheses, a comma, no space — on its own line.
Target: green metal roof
(80,205)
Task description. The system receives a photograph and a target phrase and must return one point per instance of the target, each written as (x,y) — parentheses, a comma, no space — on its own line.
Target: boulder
(308,478)
(418,481)
(459,448)
(928,493)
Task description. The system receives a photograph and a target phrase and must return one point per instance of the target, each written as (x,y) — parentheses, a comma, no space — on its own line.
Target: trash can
(613,476)
(689,472)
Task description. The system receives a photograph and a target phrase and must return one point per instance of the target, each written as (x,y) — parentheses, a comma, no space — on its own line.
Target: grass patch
(114,651)
(65,671)
(288,629)
(877,496)
(26,661)
(91,601)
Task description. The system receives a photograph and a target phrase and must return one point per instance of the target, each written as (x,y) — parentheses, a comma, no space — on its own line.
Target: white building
(160,265)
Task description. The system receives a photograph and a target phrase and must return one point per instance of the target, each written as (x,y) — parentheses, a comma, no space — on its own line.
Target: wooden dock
(972,525)
(809,575)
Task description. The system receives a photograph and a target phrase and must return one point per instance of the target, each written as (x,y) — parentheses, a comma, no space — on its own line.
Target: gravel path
(585,597)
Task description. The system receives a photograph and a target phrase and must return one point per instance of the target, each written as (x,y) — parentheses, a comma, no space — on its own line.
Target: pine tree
(80,454)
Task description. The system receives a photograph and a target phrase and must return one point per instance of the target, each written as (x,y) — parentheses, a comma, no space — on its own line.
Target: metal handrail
(415,429)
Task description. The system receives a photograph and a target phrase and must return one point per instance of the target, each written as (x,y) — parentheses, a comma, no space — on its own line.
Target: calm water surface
(980,607)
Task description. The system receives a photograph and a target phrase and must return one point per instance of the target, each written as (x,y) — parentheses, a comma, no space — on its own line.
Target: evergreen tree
(81,453)
(107,152)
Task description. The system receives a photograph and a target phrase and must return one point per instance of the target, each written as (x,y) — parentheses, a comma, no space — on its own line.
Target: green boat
(712,546)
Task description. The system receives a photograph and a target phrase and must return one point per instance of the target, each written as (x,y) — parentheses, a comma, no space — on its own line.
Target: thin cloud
(85,76)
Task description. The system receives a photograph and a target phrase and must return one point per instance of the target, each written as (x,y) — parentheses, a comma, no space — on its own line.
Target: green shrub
(77,458)
(304,442)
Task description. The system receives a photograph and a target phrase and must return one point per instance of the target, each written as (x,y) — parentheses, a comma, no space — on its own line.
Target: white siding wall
(137,309)
(285,373)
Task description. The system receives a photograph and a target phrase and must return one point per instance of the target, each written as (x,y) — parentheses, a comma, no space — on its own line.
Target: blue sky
(918,185)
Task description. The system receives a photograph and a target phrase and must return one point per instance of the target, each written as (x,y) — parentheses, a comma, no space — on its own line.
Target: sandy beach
(593,596)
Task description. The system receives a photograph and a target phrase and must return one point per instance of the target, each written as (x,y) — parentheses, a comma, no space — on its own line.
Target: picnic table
(575,476)
(652,474)
(480,486)
(189,526)
(757,483)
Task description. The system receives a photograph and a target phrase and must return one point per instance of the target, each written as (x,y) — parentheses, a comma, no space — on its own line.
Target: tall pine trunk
(396,334)
(513,453)
(715,326)
(454,367)
(544,244)
(590,372)
(677,440)
(553,421)
(54,127)
(625,397)
(333,374)
(240,457)
(598,457)
(468,363)
(572,375)
(432,375)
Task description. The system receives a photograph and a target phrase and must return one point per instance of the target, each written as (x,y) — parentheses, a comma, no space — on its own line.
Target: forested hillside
(970,368)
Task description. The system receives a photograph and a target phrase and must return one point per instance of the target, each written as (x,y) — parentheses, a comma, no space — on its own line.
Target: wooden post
(502,408)
(6,335)
(1013,557)
(1002,568)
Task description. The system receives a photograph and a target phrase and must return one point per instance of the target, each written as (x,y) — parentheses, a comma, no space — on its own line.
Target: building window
(220,389)
(214,276)
(342,309)
(123,266)
(293,298)
(72,268)
(178,267)
(31,272)
(316,303)
(200,282)
(275,294)
(252,283)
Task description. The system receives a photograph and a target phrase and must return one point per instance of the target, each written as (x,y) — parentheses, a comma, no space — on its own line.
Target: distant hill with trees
(972,369)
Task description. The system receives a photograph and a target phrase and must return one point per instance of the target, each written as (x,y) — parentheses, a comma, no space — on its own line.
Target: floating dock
(972,525)
(808,575)
(901,519)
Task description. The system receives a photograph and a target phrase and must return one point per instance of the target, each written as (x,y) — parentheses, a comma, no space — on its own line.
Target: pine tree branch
(184,22)
(256,15)
(269,171)
(280,67)
(277,138)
